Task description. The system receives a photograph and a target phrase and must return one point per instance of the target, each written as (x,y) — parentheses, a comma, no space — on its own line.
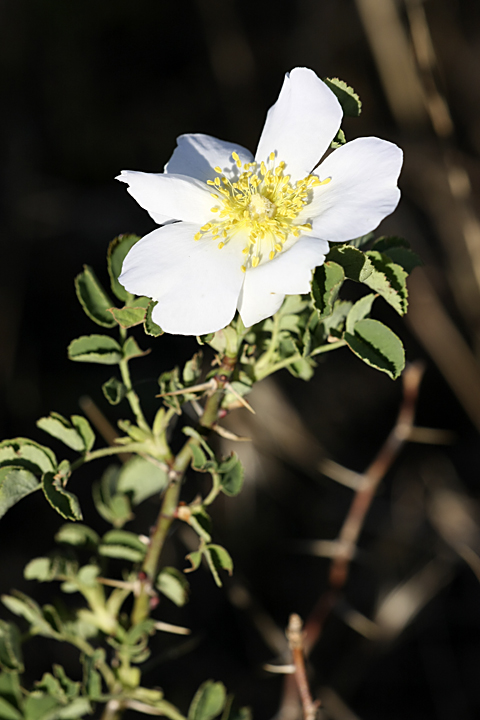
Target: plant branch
(132,396)
(295,641)
(354,521)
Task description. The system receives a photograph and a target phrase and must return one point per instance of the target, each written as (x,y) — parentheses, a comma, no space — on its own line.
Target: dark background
(90,88)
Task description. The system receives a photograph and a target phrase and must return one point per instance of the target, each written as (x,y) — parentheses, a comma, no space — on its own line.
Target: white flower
(250,230)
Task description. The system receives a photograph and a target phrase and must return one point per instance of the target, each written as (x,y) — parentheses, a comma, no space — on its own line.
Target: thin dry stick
(353,523)
(295,641)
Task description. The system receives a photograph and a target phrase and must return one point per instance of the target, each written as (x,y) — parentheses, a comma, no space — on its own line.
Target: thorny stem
(104,452)
(160,532)
(295,641)
(210,414)
(354,521)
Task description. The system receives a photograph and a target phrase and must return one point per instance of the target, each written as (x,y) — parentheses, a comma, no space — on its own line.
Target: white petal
(363,189)
(196,284)
(288,274)
(196,156)
(171,196)
(301,124)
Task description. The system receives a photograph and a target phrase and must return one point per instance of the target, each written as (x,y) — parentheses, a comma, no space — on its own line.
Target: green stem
(132,396)
(210,413)
(113,710)
(104,452)
(294,358)
(160,532)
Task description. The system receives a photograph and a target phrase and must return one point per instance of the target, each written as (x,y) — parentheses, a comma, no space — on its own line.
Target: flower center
(261,202)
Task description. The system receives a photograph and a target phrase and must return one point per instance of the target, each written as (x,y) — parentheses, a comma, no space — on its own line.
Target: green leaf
(193,370)
(141,479)
(92,680)
(208,701)
(346,95)
(359,242)
(117,251)
(338,140)
(389,280)
(194,558)
(10,689)
(87,575)
(200,521)
(27,454)
(39,569)
(95,349)
(93,298)
(113,506)
(24,606)
(128,316)
(150,327)
(173,584)
(10,648)
(15,484)
(114,390)
(122,544)
(327,281)
(376,271)
(377,346)
(399,251)
(199,459)
(77,534)
(359,311)
(60,428)
(354,262)
(131,349)
(85,430)
(218,559)
(231,475)
(8,711)
(64,502)
(333,324)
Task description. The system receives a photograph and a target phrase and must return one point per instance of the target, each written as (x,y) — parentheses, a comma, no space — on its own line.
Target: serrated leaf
(354,262)
(378,346)
(389,280)
(346,95)
(399,251)
(131,349)
(128,316)
(208,701)
(363,240)
(326,284)
(60,428)
(77,534)
(10,689)
(64,502)
(85,430)
(150,327)
(218,559)
(117,251)
(173,584)
(28,454)
(114,390)
(333,324)
(95,349)
(231,475)
(93,298)
(10,648)
(338,140)
(359,311)
(141,479)
(15,484)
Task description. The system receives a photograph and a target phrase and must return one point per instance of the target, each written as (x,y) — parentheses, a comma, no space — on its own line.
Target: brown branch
(355,519)
(295,640)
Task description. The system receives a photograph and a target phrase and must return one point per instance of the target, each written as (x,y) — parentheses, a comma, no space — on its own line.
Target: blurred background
(90,88)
